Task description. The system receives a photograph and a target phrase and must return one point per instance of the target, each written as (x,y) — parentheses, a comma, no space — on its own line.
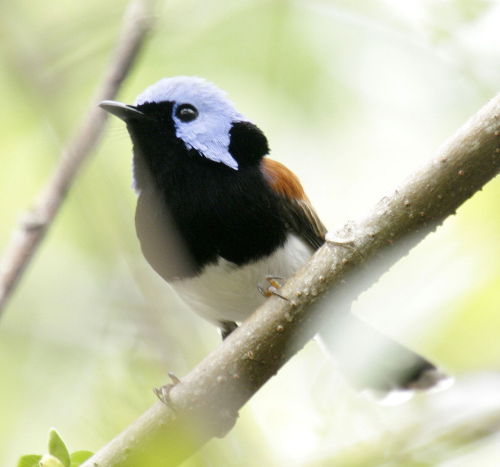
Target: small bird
(215,216)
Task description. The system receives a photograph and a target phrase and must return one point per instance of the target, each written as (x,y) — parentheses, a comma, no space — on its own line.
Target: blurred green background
(353,95)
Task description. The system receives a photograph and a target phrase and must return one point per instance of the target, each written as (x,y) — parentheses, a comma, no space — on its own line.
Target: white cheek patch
(209,135)
(209,132)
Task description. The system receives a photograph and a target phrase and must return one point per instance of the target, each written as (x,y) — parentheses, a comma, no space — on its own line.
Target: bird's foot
(163,392)
(226,328)
(332,239)
(272,288)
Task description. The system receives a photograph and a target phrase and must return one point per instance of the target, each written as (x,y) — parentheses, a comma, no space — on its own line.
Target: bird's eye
(186,112)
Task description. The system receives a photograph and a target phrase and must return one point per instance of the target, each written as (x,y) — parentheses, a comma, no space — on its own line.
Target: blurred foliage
(57,455)
(353,95)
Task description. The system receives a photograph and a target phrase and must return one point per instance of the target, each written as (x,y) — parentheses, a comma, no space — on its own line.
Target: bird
(216,216)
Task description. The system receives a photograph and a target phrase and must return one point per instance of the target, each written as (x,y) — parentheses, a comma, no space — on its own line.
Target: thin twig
(29,234)
(208,399)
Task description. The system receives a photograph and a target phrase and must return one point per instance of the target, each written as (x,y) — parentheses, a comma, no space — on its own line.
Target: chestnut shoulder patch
(282,180)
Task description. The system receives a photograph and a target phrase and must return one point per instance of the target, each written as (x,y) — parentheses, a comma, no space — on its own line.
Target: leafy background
(353,95)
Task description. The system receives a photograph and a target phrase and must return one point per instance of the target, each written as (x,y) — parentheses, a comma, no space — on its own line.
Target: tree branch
(29,234)
(207,401)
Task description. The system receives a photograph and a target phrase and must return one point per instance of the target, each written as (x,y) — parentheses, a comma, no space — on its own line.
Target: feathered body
(234,215)
(215,215)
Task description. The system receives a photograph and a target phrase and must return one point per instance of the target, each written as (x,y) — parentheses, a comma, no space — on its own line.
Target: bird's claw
(226,328)
(272,288)
(332,239)
(163,392)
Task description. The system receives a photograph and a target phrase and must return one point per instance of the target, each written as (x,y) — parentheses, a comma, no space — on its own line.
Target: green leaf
(58,449)
(79,457)
(30,460)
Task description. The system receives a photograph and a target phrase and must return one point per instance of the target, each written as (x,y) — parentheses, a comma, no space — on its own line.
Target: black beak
(123,111)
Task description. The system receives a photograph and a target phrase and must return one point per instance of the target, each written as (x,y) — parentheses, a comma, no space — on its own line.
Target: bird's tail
(373,361)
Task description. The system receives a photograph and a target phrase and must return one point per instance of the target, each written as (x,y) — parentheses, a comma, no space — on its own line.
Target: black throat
(215,211)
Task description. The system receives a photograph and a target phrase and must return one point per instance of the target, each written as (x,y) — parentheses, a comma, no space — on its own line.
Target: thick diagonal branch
(210,396)
(27,237)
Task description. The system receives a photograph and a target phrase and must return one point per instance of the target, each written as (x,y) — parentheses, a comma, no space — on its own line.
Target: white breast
(225,292)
